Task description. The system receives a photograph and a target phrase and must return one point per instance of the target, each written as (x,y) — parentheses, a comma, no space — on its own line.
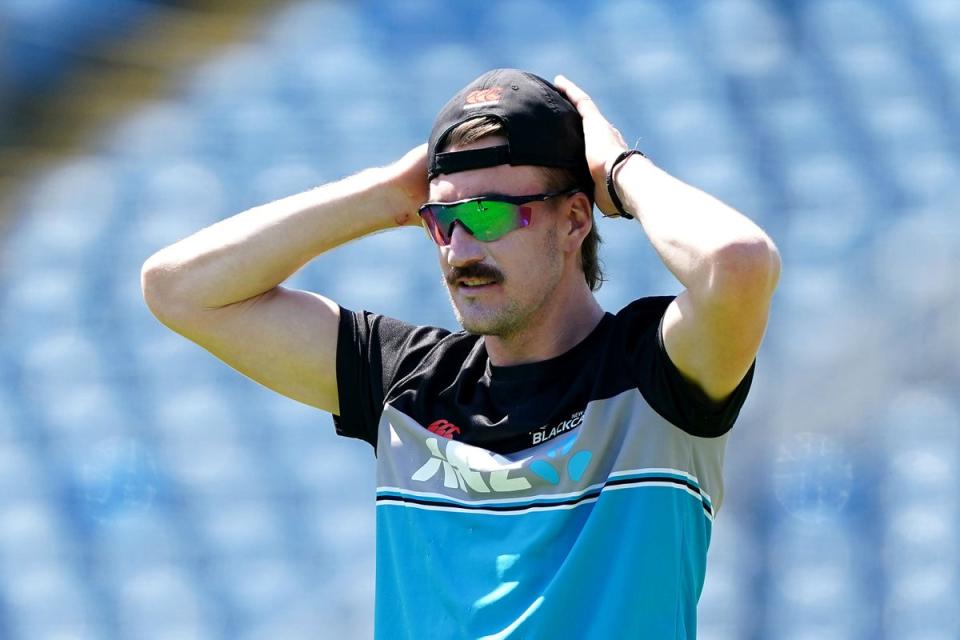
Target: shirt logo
(547,432)
(472,469)
(482,97)
(575,465)
(444,428)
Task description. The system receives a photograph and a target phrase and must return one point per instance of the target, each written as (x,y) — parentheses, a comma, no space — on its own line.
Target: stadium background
(147,491)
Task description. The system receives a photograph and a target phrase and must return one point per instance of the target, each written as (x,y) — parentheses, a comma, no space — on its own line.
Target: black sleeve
(668,392)
(373,351)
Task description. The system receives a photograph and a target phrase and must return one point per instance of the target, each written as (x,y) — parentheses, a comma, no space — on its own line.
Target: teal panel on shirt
(615,568)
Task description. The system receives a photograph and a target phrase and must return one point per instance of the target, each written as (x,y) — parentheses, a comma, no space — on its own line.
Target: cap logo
(482,97)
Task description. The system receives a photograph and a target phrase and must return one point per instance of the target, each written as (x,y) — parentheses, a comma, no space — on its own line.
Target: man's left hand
(603,141)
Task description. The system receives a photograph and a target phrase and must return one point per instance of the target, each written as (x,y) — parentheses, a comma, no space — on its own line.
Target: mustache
(474,271)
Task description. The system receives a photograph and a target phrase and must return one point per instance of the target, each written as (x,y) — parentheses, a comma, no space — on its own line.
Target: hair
(555,179)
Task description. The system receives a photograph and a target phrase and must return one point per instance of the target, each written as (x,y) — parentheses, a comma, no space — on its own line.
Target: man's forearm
(705,243)
(254,251)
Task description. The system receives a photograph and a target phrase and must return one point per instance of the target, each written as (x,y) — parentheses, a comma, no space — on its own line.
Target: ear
(577,222)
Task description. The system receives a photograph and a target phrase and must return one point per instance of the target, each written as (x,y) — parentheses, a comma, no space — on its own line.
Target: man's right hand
(409,174)
(220,287)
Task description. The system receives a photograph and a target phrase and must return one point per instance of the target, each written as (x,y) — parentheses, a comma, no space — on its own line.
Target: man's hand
(222,286)
(409,176)
(603,142)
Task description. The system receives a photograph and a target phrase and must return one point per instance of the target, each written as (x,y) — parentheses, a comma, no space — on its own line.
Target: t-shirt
(568,498)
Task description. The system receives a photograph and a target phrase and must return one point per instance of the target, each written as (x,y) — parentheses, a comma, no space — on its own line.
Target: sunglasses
(486,218)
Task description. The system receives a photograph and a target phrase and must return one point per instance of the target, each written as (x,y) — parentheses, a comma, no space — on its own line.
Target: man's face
(526,265)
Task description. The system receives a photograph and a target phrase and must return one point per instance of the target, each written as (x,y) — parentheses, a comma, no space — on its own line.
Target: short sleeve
(665,389)
(373,351)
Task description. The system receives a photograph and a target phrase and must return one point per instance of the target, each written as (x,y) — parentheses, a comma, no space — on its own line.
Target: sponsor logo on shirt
(444,428)
(575,465)
(548,432)
(472,469)
(477,470)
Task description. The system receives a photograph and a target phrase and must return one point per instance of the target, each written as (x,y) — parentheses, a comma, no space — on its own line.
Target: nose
(463,248)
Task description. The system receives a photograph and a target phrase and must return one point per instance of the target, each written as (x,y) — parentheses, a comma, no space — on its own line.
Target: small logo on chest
(444,429)
(548,432)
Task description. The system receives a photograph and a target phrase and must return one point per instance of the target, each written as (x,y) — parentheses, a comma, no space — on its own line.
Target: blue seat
(286,178)
(279,582)
(930,179)
(922,420)
(723,610)
(40,304)
(203,413)
(241,529)
(826,232)
(872,74)
(618,23)
(49,601)
(509,26)
(939,21)
(178,194)
(62,359)
(660,78)
(841,24)
(254,129)
(187,612)
(826,181)
(329,468)
(919,599)
(800,127)
(234,74)
(815,332)
(81,416)
(903,271)
(918,533)
(306,26)
(815,582)
(697,127)
(65,211)
(727,177)
(745,37)
(204,472)
(907,125)
(127,544)
(34,534)
(158,130)
(441,71)
(167,364)
(343,531)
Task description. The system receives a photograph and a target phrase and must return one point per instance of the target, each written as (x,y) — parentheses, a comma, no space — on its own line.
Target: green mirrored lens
(487,220)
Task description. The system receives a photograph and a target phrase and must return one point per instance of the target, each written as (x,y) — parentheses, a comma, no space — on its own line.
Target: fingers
(576,95)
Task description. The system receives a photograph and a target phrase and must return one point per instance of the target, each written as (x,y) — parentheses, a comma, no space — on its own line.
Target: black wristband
(617,203)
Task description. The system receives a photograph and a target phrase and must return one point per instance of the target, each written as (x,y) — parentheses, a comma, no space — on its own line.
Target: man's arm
(729,266)
(220,286)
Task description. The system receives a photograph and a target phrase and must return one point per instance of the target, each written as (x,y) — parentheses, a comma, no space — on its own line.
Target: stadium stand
(148,491)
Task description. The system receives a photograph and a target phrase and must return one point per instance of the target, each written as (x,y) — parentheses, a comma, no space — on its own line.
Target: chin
(474,325)
(499,323)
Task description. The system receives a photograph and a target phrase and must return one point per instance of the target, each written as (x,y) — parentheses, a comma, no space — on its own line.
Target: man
(553,471)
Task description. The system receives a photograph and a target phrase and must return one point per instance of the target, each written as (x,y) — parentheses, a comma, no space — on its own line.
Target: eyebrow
(485,194)
(492,194)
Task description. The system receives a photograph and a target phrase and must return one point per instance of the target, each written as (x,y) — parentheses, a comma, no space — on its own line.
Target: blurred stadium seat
(148,491)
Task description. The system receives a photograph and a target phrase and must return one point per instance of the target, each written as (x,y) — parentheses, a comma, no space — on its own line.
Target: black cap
(542,127)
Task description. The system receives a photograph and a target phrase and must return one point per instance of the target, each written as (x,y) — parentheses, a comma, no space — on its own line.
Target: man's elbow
(747,270)
(157,283)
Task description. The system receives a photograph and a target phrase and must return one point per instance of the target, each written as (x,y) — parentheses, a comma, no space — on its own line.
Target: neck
(562,323)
